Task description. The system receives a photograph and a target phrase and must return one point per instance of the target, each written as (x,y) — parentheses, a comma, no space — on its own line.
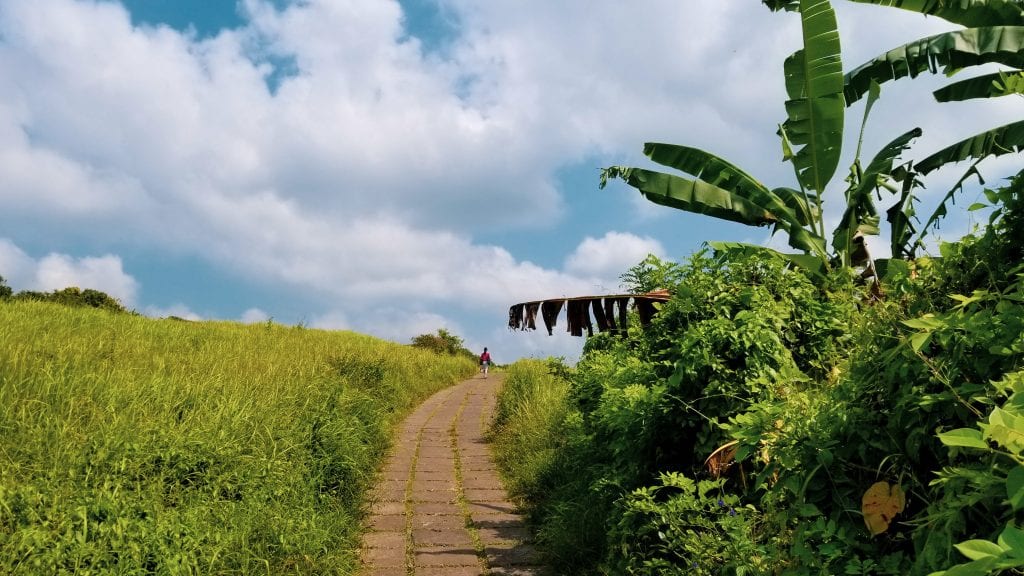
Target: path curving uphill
(439,507)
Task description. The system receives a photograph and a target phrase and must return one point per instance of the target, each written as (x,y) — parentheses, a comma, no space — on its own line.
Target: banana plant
(949,53)
(818,94)
(952,51)
(969,13)
(812,137)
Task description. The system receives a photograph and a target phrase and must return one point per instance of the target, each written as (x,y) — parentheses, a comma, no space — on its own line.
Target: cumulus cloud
(17,267)
(152,123)
(401,325)
(612,254)
(177,310)
(58,271)
(362,180)
(254,315)
(103,273)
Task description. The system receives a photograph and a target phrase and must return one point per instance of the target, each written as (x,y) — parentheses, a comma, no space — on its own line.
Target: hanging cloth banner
(523,316)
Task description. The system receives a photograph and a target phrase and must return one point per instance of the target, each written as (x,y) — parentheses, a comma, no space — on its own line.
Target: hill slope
(183,447)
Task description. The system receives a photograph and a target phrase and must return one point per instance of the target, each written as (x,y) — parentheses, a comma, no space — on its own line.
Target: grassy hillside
(135,445)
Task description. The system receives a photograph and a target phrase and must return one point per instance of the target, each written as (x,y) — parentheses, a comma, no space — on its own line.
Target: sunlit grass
(535,422)
(132,445)
(532,406)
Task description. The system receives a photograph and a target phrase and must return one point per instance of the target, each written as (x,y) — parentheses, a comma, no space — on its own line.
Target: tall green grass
(130,445)
(542,451)
(532,406)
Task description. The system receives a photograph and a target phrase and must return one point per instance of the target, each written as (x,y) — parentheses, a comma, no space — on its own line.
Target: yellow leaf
(721,458)
(880,504)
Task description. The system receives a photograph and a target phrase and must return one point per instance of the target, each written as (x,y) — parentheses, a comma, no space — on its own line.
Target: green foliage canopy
(818,395)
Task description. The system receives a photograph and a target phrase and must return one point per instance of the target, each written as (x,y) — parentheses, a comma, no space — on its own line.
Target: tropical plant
(812,134)
(651,274)
(994,34)
(999,440)
(767,424)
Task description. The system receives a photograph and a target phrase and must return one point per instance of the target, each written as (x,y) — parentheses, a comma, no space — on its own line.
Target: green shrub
(542,450)
(809,393)
(72,296)
(444,342)
(679,526)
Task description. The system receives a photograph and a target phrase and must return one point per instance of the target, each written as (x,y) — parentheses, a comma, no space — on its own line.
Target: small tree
(444,342)
(5,290)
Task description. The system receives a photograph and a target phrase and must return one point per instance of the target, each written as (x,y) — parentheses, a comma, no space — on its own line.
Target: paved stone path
(439,507)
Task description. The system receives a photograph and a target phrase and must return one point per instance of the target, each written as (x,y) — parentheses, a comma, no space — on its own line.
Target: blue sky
(395,167)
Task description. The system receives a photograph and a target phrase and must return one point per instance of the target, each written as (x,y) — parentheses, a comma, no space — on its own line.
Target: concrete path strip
(439,507)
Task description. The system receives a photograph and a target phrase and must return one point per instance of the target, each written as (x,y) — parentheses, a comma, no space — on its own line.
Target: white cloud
(401,325)
(254,315)
(58,271)
(367,177)
(611,255)
(103,273)
(176,310)
(369,125)
(371,259)
(17,267)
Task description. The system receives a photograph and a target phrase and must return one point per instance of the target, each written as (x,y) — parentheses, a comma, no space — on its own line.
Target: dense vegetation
(748,429)
(817,412)
(70,296)
(136,446)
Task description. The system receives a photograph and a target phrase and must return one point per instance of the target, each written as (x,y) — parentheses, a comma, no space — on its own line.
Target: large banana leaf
(941,210)
(950,50)
(811,215)
(1004,140)
(753,208)
(969,13)
(703,165)
(860,214)
(799,205)
(983,86)
(692,195)
(721,173)
(874,92)
(996,142)
(814,83)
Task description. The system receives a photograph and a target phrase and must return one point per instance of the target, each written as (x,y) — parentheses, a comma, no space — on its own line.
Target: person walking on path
(485,361)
